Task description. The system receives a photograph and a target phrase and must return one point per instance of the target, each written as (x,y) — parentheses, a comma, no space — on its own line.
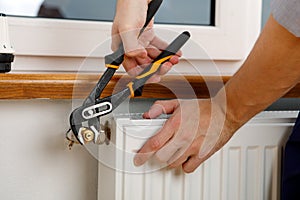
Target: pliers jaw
(76,124)
(85,122)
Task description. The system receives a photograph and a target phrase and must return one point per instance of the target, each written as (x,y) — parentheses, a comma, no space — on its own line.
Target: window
(171,11)
(225,29)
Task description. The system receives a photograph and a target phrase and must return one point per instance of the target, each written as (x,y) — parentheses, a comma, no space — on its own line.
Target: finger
(154,79)
(159,43)
(156,110)
(174,60)
(133,67)
(116,39)
(165,68)
(133,50)
(175,147)
(130,66)
(178,159)
(167,151)
(195,161)
(151,147)
(161,107)
(146,37)
(155,143)
(152,51)
(131,44)
(191,164)
(184,154)
(208,155)
(162,45)
(205,154)
(172,150)
(139,52)
(157,46)
(143,61)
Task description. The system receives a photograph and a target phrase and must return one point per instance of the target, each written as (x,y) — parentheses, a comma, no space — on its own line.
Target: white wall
(35,162)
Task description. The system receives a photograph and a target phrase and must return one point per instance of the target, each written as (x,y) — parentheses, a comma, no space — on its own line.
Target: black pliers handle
(84,120)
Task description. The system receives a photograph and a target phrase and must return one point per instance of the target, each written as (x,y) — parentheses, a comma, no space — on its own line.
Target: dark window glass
(265,11)
(195,12)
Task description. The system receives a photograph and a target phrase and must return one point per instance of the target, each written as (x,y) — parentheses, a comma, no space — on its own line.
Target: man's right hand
(129,19)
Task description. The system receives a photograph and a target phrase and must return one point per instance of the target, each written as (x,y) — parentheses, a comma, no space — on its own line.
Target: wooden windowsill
(68,86)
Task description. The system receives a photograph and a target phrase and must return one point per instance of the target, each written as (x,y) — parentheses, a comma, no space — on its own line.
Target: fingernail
(137,161)
(146,115)
(152,113)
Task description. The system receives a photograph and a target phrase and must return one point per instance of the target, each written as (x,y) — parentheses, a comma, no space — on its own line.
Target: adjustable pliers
(85,120)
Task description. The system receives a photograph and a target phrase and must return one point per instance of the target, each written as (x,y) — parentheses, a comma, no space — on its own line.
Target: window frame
(237,25)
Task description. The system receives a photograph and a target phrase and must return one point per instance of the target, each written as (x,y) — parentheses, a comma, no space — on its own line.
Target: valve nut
(88,135)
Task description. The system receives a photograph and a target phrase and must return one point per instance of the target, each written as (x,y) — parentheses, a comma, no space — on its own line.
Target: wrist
(231,121)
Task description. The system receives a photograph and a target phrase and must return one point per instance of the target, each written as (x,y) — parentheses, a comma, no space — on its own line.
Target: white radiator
(247,168)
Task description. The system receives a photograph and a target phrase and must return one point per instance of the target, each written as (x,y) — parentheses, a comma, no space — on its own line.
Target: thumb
(116,39)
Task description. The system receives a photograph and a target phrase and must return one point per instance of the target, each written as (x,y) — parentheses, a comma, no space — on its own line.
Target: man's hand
(129,19)
(196,126)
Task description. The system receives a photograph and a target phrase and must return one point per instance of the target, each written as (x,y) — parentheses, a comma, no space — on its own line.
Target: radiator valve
(6,50)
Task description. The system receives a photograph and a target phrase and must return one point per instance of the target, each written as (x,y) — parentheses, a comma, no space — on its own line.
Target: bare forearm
(271,70)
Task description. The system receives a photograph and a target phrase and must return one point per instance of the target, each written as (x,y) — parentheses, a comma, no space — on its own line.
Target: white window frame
(237,25)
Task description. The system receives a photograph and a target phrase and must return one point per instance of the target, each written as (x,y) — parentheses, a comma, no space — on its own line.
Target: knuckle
(159,102)
(195,148)
(154,143)
(175,121)
(173,165)
(124,27)
(186,138)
